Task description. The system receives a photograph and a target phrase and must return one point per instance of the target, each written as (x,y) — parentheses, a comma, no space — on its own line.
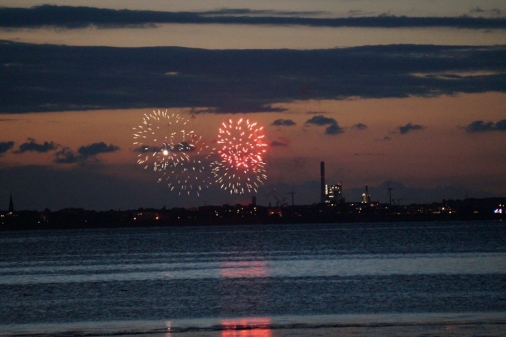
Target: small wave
(417,324)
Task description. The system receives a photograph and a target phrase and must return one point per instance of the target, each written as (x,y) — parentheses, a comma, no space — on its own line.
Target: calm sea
(371,279)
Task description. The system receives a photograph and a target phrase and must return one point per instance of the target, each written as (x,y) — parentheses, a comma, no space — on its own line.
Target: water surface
(417,279)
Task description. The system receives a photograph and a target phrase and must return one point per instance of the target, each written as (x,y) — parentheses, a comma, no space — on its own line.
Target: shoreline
(452,210)
(387,324)
(21,223)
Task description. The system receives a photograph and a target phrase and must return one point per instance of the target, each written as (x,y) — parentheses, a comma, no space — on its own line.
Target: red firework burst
(241,167)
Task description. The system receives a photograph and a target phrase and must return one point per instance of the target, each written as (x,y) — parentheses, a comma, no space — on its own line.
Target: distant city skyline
(409,96)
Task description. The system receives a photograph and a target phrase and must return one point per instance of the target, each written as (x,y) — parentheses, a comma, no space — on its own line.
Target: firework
(157,137)
(240,168)
(176,154)
(193,174)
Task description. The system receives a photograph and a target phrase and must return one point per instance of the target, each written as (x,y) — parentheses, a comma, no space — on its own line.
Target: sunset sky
(410,95)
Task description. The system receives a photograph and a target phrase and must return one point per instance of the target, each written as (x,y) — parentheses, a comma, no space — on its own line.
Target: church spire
(11,204)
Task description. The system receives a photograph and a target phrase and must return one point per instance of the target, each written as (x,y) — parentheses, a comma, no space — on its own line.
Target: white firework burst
(167,147)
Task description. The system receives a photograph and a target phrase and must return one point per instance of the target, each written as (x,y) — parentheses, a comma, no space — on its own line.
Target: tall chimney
(11,204)
(322,187)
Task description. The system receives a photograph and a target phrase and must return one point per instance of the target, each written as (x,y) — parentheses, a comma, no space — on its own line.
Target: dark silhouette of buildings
(333,208)
(322,182)
(11,204)
(345,212)
(334,193)
(366,197)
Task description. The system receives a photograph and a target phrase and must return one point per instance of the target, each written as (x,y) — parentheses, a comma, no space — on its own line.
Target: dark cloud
(283,122)
(359,126)
(334,129)
(409,127)
(477,10)
(179,147)
(321,120)
(66,156)
(481,126)
(359,13)
(242,107)
(33,146)
(501,125)
(96,148)
(487,12)
(79,17)
(6,146)
(233,81)
(281,141)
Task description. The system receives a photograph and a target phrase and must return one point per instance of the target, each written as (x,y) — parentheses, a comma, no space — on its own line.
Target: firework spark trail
(156,140)
(193,174)
(241,167)
(168,148)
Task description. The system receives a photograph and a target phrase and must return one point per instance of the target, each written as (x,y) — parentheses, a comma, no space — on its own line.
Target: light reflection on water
(447,264)
(247,327)
(256,281)
(244,269)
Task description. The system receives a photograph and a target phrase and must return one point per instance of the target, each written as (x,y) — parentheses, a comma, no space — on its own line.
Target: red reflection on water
(244,269)
(247,327)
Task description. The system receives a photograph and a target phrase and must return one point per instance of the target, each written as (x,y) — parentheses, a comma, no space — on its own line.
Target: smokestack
(11,204)
(322,187)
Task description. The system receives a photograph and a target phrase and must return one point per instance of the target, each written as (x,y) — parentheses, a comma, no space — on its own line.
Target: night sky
(409,95)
